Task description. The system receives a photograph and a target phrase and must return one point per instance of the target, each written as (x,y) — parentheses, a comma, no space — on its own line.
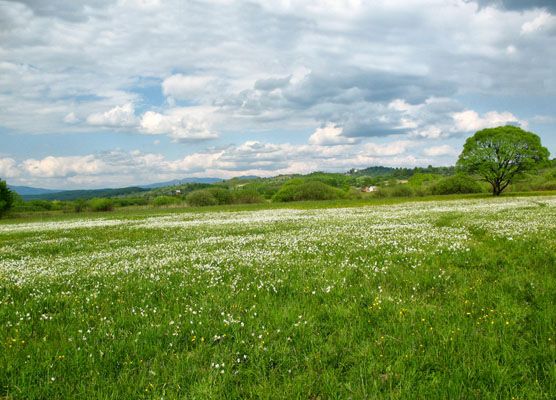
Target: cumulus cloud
(543,20)
(330,135)
(388,149)
(55,167)
(8,168)
(119,116)
(442,150)
(180,124)
(470,121)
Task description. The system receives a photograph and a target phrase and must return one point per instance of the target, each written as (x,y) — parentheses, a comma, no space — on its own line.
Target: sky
(113,93)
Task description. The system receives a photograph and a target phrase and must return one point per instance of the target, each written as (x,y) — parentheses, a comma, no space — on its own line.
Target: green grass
(404,300)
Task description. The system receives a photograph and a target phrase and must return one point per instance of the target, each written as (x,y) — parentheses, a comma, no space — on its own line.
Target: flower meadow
(432,300)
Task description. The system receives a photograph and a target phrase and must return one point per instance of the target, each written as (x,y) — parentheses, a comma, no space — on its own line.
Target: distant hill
(245,177)
(177,182)
(32,193)
(29,191)
(372,171)
(84,194)
(400,173)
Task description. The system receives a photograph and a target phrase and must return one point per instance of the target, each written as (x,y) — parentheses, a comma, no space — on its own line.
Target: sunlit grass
(437,299)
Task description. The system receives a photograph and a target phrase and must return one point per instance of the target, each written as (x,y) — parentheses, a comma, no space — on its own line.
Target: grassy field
(416,300)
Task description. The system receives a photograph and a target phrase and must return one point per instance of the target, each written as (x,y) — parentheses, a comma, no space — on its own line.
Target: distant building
(177,192)
(369,189)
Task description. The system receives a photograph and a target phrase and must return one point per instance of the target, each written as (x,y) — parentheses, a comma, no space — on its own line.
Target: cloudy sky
(118,92)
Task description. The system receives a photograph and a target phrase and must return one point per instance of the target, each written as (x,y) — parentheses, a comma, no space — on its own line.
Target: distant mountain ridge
(33,193)
(28,190)
(84,194)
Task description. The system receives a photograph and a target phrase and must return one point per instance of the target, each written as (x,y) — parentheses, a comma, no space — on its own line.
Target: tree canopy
(6,198)
(501,154)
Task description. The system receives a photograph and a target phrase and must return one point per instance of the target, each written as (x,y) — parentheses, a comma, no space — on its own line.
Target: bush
(421,191)
(37,205)
(201,198)
(222,196)
(550,185)
(245,196)
(311,190)
(457,184)
(354,193)
(101,205)
(79,205)
(130,201)
(420,179)
(401,191)
(160,201)
(380,192)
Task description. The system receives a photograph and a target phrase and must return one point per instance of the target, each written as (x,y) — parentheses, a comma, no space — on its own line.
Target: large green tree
(6,198)
(499,155)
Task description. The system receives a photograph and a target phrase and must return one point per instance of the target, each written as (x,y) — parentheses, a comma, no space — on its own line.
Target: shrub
(354,193)
(160,201)
(101,204)
(550,185)
(400,191)
(246,196)
(222,196)
(79,205)
(457,184)
(311,190)
(38,205)
(421,191)
(201,198)
(421,179)
(380,192)
(130,201)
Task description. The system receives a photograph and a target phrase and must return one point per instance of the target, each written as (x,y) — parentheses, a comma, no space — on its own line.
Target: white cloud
(402,105)
(330,135)
(431,132)
(511,49)
(185,87)
(442,150)
(388,149)
(71,118)
(180,124)
(544,119)
(471,121)
(8,168)
(119,116)
(544,19)
(226,46)
(55,167)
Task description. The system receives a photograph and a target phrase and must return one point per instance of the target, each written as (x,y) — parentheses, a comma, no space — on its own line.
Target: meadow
(417,300)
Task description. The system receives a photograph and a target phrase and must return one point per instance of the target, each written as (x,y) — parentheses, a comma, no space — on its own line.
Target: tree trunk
(496,190)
